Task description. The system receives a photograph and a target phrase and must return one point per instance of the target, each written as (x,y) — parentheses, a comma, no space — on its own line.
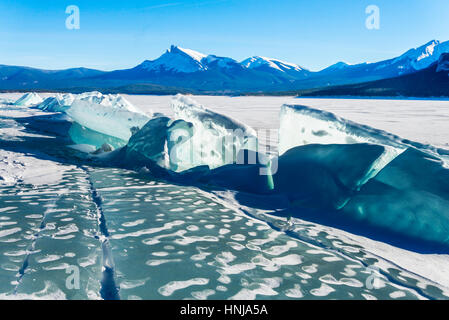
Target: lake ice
(167,240)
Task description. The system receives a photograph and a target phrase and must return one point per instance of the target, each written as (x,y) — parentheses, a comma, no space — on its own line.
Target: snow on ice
(328,170)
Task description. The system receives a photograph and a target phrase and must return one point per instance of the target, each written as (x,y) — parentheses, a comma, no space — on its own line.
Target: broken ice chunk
(301,125)
(108,114)
(58,103)
(410,196)
(216,138)
(28,99)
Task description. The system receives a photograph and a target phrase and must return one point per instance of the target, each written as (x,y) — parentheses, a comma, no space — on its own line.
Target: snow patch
(20,168)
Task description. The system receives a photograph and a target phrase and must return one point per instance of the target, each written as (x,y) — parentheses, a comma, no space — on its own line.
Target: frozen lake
(56,212)
(425,121)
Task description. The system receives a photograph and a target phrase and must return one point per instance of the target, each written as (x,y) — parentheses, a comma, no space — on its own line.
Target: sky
(122,34)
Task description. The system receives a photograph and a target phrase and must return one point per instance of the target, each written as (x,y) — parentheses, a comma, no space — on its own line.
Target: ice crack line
(109,290)
(31,248)
(314,242)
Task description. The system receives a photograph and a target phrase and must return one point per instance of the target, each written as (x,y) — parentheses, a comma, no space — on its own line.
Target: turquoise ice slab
(324,176)
(82,135)
(178,242)
(410,196)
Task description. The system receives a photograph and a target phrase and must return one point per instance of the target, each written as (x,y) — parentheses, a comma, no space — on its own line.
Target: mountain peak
(176,59)
(195,55)
(425,55)
(432,43)
(336,66)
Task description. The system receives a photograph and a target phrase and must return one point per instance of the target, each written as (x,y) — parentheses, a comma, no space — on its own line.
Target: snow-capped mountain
(180,60)
(176,59)
(411,61)
(422,57)
(337,66)
(185,70)
(432,81)
(189,69)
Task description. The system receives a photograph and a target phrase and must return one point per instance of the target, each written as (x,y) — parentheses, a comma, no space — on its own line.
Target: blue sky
(121,34)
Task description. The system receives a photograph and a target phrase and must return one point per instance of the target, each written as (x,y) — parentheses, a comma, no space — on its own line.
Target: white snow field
(134,235)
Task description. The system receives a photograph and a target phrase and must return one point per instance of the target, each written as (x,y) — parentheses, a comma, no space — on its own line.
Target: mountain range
(432,81)
(185,70)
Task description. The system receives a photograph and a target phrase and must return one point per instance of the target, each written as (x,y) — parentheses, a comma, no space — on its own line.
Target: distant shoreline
(375,98)
(347,97)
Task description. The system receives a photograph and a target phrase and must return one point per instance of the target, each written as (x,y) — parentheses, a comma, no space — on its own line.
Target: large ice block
(410,196)
(149,143)
(301,125)
(251,173)
(324,176)
(112,115)
(85,136)
(195,137)
(404,191)
(216,138)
